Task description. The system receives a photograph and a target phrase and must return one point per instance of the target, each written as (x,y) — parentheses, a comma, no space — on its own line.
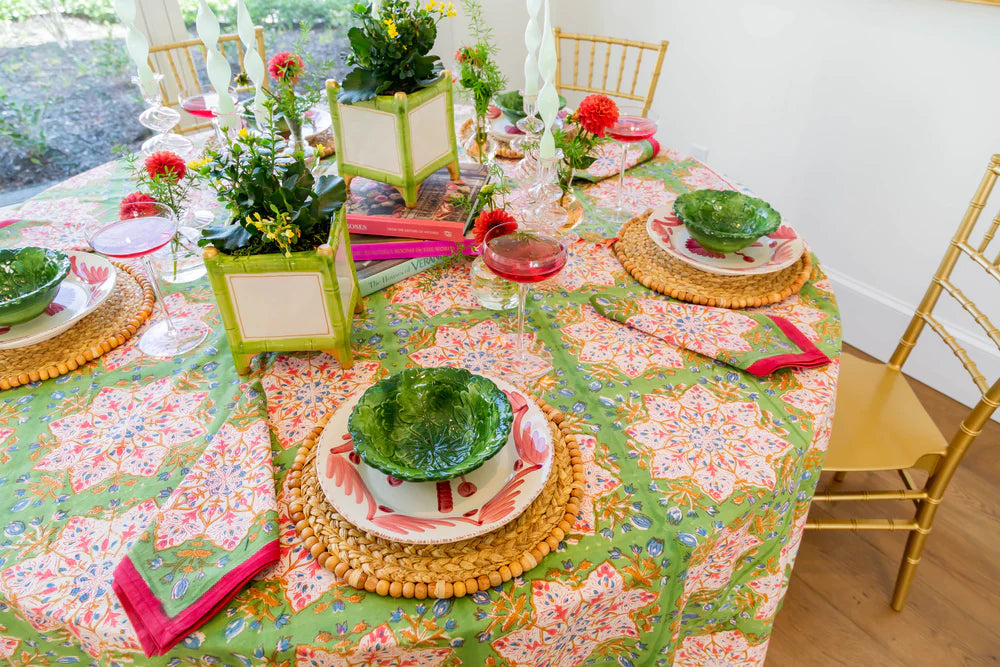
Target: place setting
(435,482)
(716,248)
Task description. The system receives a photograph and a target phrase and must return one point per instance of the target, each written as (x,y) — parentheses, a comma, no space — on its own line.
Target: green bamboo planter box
(397,139)
(274,303)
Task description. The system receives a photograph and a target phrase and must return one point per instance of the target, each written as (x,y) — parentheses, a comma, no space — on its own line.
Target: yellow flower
(243,133)
(390,27)
(197,164)
(451,13)
(430,6)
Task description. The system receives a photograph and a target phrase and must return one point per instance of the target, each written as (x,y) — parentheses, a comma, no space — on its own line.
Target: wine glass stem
(154,281)
(522,294)
(621,182)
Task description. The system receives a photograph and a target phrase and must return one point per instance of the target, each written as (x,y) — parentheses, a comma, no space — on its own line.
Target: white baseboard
(873,321)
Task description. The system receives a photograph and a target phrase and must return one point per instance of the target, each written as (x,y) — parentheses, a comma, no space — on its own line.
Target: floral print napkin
(214,533)
(608,159)
(758,344)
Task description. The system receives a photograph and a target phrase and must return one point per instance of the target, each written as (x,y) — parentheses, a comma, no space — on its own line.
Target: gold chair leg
(840,476)
(914,548)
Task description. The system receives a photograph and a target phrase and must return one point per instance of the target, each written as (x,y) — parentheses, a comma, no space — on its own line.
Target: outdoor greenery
(65,93)
(277,13)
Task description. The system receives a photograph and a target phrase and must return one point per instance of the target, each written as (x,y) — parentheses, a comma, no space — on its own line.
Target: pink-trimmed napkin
(758,344)
(215,532)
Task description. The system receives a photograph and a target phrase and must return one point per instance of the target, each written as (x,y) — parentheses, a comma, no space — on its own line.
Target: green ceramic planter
(725,220)
(430,424)
(29,280)
(512,105)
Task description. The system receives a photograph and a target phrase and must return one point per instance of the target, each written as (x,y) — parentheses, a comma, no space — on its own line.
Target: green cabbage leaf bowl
(430,424)
(725,220)
(29,281)
(512,105)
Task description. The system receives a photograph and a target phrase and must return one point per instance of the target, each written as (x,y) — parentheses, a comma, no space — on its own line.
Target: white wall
(867,123)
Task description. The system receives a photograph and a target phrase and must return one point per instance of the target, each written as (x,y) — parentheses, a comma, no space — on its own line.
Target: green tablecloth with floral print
(698,476)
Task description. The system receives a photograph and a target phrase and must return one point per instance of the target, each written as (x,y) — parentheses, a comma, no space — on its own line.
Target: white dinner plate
(767,254)
(438,512)
(89,283)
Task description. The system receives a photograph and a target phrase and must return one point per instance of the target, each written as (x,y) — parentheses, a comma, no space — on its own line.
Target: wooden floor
(837,609)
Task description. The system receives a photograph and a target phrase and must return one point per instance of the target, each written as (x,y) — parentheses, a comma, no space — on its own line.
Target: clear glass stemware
(633,125)
(143,229)
(523,256)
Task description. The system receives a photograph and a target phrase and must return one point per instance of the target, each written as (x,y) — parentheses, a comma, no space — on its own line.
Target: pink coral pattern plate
(90,282)
(766,255)
(438,512)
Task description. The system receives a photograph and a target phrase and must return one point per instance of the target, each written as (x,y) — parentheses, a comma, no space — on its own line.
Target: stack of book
(390,242)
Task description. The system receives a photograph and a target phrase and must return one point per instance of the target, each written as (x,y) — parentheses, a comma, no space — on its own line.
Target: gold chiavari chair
(185,75)
(619,59)
(880,424)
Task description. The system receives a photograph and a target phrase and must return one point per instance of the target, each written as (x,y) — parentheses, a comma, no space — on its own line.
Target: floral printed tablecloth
(698,476)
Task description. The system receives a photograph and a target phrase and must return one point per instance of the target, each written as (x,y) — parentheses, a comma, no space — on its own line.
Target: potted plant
(482,78)
(281,270)
(393,117)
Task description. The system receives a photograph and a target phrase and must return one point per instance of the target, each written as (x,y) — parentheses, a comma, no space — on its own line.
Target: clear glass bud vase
(489,289)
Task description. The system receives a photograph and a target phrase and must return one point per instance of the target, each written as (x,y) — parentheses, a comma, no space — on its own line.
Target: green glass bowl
(512,105)
(430,424)
(725,220)
(29,280)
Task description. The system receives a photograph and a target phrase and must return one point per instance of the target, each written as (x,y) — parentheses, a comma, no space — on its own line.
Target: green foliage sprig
(390,49)
(479,73)
(268,192)
(490,197)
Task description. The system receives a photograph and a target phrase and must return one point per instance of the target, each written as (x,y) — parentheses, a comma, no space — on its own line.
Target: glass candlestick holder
(162,120)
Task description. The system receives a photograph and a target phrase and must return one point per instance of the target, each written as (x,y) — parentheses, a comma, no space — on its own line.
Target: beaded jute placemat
(113,323)
(456,569)
(658,271)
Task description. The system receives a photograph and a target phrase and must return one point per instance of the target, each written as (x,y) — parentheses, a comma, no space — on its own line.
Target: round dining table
(698,476)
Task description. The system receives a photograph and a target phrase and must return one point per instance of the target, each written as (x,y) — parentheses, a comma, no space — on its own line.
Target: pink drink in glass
(525,258)
(205,105)
(632,128)
(133,237)
(522,257)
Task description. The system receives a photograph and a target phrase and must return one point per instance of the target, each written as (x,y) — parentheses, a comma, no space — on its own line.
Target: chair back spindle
(616,53)
(183,70)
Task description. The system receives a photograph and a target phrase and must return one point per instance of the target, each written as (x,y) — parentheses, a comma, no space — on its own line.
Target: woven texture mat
(658,271)
(456,569)
(106,328)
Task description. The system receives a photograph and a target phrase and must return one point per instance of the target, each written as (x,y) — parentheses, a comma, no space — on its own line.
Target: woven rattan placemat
(658,271)
(106,328)
(456,569)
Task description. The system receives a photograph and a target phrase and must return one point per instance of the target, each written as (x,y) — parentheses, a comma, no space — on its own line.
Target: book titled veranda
(377,209)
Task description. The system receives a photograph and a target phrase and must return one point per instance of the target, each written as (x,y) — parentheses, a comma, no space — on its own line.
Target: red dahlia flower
(487,220)
(597,113)
(136,205)
(166,164)
(286,67)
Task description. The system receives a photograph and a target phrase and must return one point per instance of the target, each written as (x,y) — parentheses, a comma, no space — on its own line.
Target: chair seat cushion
(879,423)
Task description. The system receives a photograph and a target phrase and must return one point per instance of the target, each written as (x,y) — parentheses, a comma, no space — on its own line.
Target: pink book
(365,247)
(377,209)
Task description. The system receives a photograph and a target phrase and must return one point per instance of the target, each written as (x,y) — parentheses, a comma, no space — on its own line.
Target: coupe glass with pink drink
(633,125)
(143,229)
(206,105)
(523,256)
